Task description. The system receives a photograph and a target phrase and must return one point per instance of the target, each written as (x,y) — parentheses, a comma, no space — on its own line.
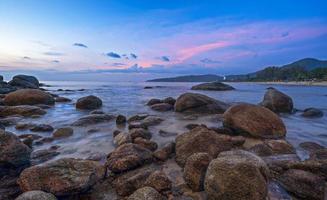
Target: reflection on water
(129,98)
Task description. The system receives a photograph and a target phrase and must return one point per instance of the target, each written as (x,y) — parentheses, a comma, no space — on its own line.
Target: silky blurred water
(129,98)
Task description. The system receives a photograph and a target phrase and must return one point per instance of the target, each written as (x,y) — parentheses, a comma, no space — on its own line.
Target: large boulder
(5,88)
(93,119)
(89,103)
(162,107)
(128,156)
(199,103)
(28,97)
(146,193)
(201,140)
(62,177)
(36,195)
(255,121)
(216,86)
(277,101)
(303,184)
(24,81)
(24,110)
(236,175)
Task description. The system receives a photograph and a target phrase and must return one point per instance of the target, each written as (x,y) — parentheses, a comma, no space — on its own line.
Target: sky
(130,38)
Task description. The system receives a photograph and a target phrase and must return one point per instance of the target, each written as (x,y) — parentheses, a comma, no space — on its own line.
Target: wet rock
(164,133)
(9,121)
(28,142)
(94,112)
(93,130)
(261,150)
(62,99)
(28,97)
(24,81)
(303,184)
(169,100)
(310,146)
(63,132)
(42,128)
(255,121)
(23,110)
(320,154)
(93,119)
(195,170)
(130,181)
(201,140)
(198,103)
(148,144)
(280,163)
(153,102)
(44,140)
(192,126)
(318,167)
(236,175)
(24,126)
(280,147)
(162,107)
(138,117)
(36,195)
(148,87)
(216,86)
(127,157)
(115,133)
(151,121)
(159,181)
(65,176)
(121,119)
(312,113)
(165,152)
(97,156)
(277,101)
(30,135)
(146,193)
(43,155)
(5,88)
(122,138)
(89,102)
(138,124)
(140,132)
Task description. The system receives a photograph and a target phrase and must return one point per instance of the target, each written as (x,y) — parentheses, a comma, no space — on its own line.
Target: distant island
(308,69)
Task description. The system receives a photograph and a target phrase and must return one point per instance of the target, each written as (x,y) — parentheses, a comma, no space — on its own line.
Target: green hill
(190,78)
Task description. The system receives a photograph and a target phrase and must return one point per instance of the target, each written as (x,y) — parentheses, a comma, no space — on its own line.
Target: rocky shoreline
(246,158)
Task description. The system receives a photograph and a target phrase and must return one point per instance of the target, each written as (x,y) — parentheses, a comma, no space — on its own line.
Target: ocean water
(130,98)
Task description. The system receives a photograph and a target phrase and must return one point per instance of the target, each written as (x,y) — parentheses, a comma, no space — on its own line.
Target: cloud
(55,61)
(80,45)
(50,53)
(165,58)
(27,58)
(210,61)
(133,55)
(118,64)
(113,55)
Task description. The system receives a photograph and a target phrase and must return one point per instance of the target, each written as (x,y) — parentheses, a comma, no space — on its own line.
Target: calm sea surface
(129,98)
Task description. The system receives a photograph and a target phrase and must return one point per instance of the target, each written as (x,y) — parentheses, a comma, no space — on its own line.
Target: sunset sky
(174,37)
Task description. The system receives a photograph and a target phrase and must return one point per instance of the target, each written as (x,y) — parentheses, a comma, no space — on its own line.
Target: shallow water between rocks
(130,98)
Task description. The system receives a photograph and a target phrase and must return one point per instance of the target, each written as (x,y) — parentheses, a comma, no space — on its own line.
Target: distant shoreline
(303,83)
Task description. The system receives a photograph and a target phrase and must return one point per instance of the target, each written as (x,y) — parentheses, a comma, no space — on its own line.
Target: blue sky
(158,37)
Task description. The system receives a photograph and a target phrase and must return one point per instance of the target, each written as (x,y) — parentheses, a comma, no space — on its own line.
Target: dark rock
(310,146)
(312,113)
(165,152)
(133,125)
(5,88)
(121,119)
(25,111)
(115,133)
(151,121)
(24,126)
(146,193)
(280,163)
(89,102)
(28,97)
(162,107)
(63,132)
(9,121)
(42,128)
(28,142)
(169,100)
(62,99)
(320,154)
(159,181)
(166,133)
(277,101)
(43,155)
(93,119)
(127,157)
(36,195)
(153,102)
(192,126)
(65,176)
(122,138)
(138,117)
(198,103)
(148,144)
(215,86)
(303,184)
(148,87)
(24,81)
(94,112)
(318,167)
(255,121)
(195,170)
(236,175)
(140,132)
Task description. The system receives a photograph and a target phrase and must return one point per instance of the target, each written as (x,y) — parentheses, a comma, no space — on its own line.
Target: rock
(255,121)
(279,163)
(201,140)
(62,99)
(42,128)
(62,177)
(9,121)
(312,113)
(115,133)
(310,146)
(24,81)
(127,157)
(140,132)
(134,124)
(13,153)
(151,145)
(146,193)
(121,119)
(164,133)
(36,195)
(159,181)
(169,100)
(93,119)
(191,126)
(24,126)
(303,184)
(89,102)
(28,97)
(148,87)
(151,121)
(130,181)
(122,138)
(320,154)
(63,132)
(318,167)
(198,103)
(216,86)
(5,88)
(25,111)
(28,142)
(162,107)
(153,102)
(236,175)
(94,112)
(277,101)
(165,152)
(195,170)
(43,155)
(138,117)
(280,147)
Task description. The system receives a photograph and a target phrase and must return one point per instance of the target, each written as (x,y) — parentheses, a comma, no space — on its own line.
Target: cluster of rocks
(162,104)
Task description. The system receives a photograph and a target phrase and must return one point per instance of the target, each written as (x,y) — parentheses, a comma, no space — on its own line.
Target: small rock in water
(310,146)
(89,103)
(140,132)
(121,119)
(138,117)
(169,100)
(166,133)
(214,86)
(162,107)
(43,155)
(312,113)
(93,119)
(42,128)
(153,102)
(63,132)
(151,121)
(122,138)
(277,101)
(151,145)
(62,99)
(94,112)
(165,152)
(24,126)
